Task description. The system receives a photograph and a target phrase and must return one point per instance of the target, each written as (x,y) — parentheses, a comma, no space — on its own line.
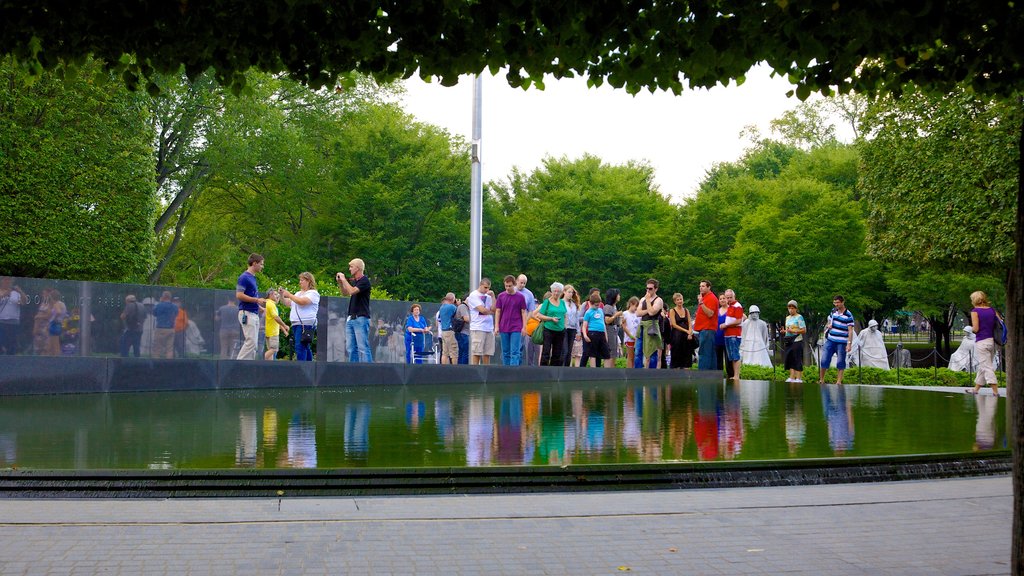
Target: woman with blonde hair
(572,323)
(983,322)
(305,306)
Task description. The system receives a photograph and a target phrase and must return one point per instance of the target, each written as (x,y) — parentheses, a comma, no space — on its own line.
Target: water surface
(472,425)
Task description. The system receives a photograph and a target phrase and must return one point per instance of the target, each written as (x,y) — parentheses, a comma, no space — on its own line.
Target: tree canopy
(637,44)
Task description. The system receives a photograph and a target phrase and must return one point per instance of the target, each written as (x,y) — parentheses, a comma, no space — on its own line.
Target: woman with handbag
(793,340)
(305,306)
(552,312)
(985,321)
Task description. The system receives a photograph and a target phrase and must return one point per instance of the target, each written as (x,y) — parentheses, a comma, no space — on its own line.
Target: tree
(399,202)
(939,175)
(579,221)
(941,295)
(76,190)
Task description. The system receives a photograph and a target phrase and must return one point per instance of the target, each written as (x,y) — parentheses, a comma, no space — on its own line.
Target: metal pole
(476,207)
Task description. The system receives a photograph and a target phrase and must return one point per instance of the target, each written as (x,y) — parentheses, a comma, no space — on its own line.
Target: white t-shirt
(478,321)
(305,314)
(631,322)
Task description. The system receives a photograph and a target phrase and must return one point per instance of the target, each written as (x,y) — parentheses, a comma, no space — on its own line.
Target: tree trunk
(1015,367)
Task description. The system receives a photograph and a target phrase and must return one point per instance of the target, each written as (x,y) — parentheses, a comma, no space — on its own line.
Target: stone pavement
(957,526)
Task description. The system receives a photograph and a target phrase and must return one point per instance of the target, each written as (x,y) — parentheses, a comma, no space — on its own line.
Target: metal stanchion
(899,360)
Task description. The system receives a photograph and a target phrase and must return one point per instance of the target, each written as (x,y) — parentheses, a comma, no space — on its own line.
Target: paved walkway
(959,526)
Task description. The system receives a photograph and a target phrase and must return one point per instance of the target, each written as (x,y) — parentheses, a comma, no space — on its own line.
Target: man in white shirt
(481,323)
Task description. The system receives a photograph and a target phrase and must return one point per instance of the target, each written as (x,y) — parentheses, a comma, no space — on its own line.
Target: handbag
(531,325)
(538,335)
(307,333)
(54,328)
(999,331)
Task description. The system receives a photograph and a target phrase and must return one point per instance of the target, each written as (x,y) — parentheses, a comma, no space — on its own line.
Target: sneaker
(790,380)
(798,381)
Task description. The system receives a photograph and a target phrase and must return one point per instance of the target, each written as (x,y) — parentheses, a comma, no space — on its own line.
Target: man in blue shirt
(247,292)
(164,315)
(449,346)
(838,339)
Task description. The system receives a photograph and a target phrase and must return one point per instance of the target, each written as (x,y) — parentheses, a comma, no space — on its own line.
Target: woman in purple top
(983,321)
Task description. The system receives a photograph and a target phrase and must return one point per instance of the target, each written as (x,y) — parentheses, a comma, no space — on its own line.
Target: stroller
(423,348)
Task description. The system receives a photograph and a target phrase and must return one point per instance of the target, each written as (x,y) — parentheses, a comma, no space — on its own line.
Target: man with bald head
(449,345)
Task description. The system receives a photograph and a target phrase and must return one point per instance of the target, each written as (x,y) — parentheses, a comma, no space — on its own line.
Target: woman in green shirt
(552,314)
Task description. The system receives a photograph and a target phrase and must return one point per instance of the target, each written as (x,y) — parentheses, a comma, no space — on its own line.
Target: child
(630,324)
(274,326)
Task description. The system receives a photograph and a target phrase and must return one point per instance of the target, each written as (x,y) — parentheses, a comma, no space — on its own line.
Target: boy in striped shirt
(838,338)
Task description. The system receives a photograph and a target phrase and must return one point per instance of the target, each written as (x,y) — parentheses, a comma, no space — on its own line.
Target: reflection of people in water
(357,429)
(985,430)
(510,429)
(705,425)
(415,411)
(839,416)
(301,442)
(732,429)
(481,431)
(445,422)
(796,423)
(49,323)
(248,439)
(11,300)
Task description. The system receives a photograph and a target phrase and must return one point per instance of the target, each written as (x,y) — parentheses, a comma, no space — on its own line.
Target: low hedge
(855,375)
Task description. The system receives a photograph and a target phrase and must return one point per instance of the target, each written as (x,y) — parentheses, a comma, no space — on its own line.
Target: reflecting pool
(459,425)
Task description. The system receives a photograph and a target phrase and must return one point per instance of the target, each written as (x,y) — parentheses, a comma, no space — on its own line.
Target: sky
(681,137)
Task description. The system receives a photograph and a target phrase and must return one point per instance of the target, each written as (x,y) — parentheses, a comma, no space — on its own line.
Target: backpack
(457,322)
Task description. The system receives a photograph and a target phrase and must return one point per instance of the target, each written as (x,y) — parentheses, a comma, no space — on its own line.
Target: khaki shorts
(273,342)
(450,346)
(481,343)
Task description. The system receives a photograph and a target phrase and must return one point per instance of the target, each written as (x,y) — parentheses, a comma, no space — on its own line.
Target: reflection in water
(357,429)
(796,423)
(8,449)
(248,436)
(479,442)
(839,415)
(414,414)
(985,430)
(557,425)
(301,442)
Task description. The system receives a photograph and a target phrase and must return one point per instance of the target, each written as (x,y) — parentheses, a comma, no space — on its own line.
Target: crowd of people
(561,328)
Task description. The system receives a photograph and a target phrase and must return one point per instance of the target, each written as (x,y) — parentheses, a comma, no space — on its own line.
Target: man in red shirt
(705,323)
(733,327)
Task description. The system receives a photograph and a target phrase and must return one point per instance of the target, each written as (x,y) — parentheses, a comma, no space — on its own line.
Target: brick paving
(957,526)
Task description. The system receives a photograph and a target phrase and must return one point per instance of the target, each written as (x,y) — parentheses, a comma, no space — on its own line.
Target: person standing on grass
(838,339)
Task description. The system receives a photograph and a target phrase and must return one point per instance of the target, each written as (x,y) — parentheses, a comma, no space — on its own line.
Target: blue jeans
(357,339)
(303,353)
(638,358)
(463,340)
(706,354)
(830,349)
(511,348)
(129,339)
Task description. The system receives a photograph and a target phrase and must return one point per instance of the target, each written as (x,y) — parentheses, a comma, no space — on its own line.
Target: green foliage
(578,221)
(864,47)
(76,186)
(854,375)
(779,224)
(940,177)
(400,201)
